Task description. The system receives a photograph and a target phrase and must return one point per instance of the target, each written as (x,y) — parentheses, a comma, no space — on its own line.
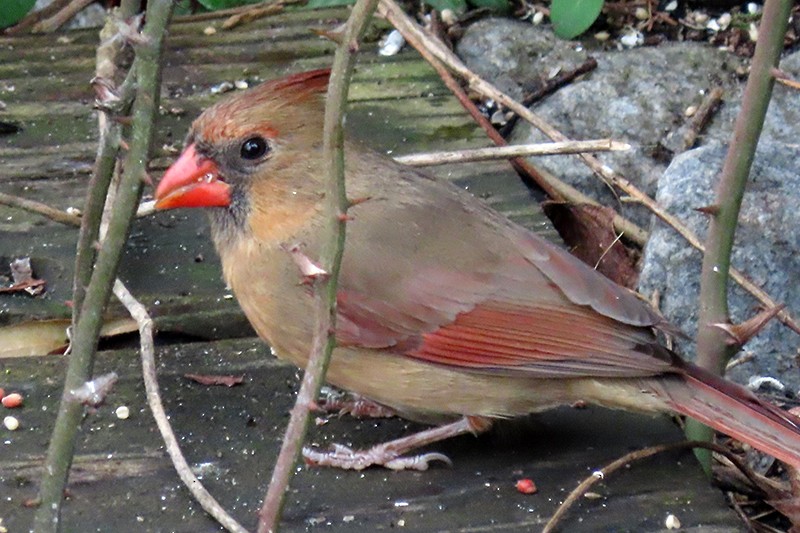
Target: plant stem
(84,342)
(336,205)
(713,346)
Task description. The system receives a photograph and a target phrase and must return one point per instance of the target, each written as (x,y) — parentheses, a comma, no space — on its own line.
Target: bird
(447,312)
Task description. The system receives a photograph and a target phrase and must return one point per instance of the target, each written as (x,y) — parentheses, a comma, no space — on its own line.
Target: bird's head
(244,138)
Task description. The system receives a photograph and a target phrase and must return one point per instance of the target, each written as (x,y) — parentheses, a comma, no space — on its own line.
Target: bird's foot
(348,459)
(392,454)
(355,405)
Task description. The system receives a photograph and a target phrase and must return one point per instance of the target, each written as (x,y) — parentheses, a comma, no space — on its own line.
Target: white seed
(724,21)
(753,32)
(632,39)
(672,522)
(122,412)
(11,423)
(209,30)
(537,18)
(392,43)
(602,36)
(449,17)
(641,13)
(690,111)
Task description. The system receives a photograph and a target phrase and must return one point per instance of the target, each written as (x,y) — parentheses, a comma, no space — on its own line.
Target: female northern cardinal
(446,309)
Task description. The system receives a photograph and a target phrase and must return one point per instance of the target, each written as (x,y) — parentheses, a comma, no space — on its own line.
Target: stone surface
(767,249)
(638,96)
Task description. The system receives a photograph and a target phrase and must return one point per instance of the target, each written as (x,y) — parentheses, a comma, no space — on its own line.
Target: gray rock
(515,55)
(638,96)
(767,249)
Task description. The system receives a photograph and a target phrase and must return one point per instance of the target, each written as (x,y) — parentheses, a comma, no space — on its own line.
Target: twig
(418,38)
(636,456)
(226,13)
(63,16)
(336,205)
(507,152)
(551,185)
(784,79)
(32,18)
(560,80)
(139,313)
(84,342)
(40,208)
(740,512)
(251,14)
(701,118)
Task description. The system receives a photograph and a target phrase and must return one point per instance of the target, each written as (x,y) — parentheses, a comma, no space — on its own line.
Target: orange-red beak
(192,181)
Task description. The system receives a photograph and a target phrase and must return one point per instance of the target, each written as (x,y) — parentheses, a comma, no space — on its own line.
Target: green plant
(215,5)
(572,17)
(13,11)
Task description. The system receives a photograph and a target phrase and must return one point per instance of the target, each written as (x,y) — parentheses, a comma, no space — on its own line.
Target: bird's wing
(515,304)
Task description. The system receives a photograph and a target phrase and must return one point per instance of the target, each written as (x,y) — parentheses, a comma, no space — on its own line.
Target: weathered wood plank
(124,483)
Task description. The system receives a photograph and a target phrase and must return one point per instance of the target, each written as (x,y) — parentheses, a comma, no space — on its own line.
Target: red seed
(526,486)
(12,400)
(2,392)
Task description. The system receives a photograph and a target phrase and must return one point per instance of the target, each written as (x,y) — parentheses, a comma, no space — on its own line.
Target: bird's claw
(348,459)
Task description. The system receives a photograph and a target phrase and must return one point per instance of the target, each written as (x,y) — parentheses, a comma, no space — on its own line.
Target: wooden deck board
(122,480)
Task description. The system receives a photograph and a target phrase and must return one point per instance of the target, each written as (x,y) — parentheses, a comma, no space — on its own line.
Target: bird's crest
(266,108)
(302,84)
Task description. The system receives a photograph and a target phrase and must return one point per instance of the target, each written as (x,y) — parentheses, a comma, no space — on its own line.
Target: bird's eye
(254,148)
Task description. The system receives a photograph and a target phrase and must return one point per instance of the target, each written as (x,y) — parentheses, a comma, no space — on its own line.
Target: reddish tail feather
(735,411)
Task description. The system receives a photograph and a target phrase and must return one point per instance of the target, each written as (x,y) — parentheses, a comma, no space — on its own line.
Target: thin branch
(41,209)
(550,184)
(253,13)
(713,352)
(507,152)
(419,38)
(637,455)
(336,205)
(84,345)
(63,16)
(139,313)
(701,118)
(32,18)
(231,12)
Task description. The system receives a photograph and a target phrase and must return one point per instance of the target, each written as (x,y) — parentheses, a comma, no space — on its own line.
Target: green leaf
(573,17)
(183,7)
(456,6)
(498,6)
(319,4)
(12,11)
(216,5)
